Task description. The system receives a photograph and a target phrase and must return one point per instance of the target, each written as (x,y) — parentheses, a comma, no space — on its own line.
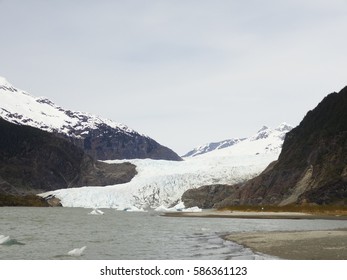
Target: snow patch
(19,107)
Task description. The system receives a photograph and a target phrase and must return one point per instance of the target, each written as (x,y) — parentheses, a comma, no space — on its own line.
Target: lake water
(49,233)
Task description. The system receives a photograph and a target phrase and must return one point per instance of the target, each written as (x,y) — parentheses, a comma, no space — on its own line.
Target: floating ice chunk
(96,212)
(4,239)
(192,209)
(162,208)
(77,252)
(177,208)
(181,207)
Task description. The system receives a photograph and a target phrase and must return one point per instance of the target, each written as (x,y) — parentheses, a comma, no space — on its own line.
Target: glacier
(160,184)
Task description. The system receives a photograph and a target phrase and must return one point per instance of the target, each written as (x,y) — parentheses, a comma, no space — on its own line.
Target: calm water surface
(49,233)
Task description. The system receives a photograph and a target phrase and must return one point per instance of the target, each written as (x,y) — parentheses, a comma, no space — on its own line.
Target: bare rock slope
(311,168)
(33,161)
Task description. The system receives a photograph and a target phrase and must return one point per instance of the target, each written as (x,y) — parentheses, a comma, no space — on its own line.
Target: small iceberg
(77,252)
(4,239)
(180,207)
(162,208)
(8,241)
(96,212)
(192,209)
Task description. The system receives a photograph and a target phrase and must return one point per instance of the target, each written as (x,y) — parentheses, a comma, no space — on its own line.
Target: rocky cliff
(33,161)
(312,166)
(105,142)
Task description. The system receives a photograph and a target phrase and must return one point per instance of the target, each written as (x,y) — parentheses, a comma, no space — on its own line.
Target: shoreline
(290,245)
(296,245)
(210,213)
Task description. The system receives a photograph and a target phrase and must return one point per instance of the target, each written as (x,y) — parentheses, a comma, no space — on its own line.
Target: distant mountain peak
(5,85)
(202,149)
(4,82)
(262,133)
(263,128)
(284,127)
(265,132)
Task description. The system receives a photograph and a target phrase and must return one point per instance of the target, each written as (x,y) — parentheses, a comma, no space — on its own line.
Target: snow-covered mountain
(162,183)
(209,147)
(20,107)
(101,138)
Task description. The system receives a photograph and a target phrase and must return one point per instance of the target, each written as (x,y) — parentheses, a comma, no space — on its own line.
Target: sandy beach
(298,245)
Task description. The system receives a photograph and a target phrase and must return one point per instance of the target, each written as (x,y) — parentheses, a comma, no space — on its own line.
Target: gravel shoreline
(296,245)
(291,245)
(254,215)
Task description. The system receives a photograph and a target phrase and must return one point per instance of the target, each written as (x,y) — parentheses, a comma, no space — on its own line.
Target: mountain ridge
(263,132)
(212,146)
(101,138)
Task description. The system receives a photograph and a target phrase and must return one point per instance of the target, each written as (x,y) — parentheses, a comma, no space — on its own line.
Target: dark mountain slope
(312,166)
(33,161)
(106,142)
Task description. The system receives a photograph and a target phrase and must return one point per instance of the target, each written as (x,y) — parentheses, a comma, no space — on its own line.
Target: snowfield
(160,184)
(20,107)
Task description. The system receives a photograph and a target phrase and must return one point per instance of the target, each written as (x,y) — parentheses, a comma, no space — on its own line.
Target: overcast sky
(184,72)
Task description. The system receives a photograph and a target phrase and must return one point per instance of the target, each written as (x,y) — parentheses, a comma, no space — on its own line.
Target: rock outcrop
(206,197)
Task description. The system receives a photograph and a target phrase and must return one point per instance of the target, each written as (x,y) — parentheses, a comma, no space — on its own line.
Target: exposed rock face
(33,161)
(22,200)
(206,197)
(312,167)
(53,201)
(106,142)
